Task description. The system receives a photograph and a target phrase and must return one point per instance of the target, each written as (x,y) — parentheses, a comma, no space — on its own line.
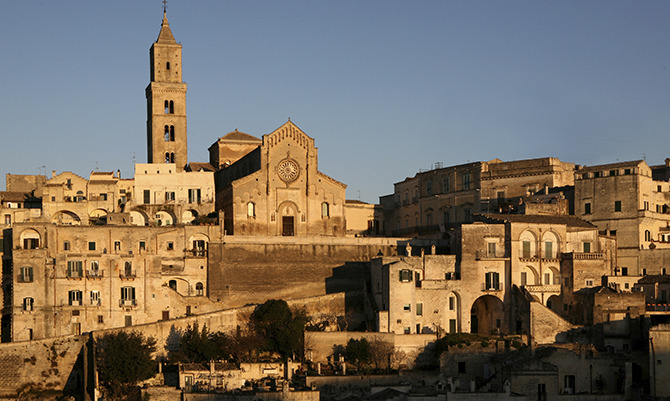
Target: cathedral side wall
(254,271)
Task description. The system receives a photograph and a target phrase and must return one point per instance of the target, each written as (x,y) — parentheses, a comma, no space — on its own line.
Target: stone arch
(66,217)
(30,239)
(486,315)
(551,276)
(164,218)
(528,244)
(138,217)
(550,245)
(288,213)
(554,303)
(98,216)
(532,276)
(179,285)
(199,244)
(189,216)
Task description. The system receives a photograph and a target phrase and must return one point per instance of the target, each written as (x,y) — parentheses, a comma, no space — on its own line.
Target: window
(74,268)
(617,206)
(28,304)
(199,290)
(26,273)
(251,209)
(525,250)
(74,298)
(101,319)
(445,184)
(548,250)
(461,367)
(103,197)
(467,215)
(466,181)
(8,219)
(117,246)
(94,268)
(627,171)
(547,278)
(589,283)
(585,176)
(171,107)
(452,325)
(172,284)
(407,330)
(541,392)
(128,269)
(624,271)
(127,296)
(612,173)
(167,66)
(646,205)
(95,298)
(596,174)
(419,309)
(128,321)
(170,246)
(647,235)
(147,196)
(66,245)
(452,303)
(626,286)
(407,307)
(143,246)
(429,187)
(587,247)
(524,278)
(492,281)
(569,384)
(405,275)
(167,107)
(169,196)
(491,249)
(91,246)
(325,210)
(194,195)
(587,208)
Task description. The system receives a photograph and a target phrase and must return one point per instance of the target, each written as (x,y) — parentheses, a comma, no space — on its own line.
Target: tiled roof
(197,166)
(654,278)
(239,136)
(611,166)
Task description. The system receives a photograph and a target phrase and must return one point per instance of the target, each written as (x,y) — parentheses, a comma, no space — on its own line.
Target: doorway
(287,226)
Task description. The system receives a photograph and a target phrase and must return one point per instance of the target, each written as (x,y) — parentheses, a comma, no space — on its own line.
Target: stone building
(550,258)
(70,280)
(432,202)
(276,189)
(623,200)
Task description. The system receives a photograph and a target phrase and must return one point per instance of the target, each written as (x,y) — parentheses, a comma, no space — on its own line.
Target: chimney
(53,173)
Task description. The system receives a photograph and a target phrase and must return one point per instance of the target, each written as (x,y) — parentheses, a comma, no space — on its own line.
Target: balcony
(529,257)
(196,253)
(555,288)
(95,274)
(660,307)
(127,274)
(127,303)
(491,286)
(490,255)
(584,255)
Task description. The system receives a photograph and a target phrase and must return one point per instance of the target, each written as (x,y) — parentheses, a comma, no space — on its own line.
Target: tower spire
(164,8)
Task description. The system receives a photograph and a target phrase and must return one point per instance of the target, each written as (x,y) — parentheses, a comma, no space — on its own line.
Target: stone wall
(246,270)
(546,326)
(41,366)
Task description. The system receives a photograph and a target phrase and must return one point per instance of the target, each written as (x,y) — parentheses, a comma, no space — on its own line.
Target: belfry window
(171,107)
(171,157)
(167,134)
(167,66)
(167,157)
(167,107)
(171,133)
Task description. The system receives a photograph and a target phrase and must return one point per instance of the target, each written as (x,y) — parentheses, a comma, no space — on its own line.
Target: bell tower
(166,102)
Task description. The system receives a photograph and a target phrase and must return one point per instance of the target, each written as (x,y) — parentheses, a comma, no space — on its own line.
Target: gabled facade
(277,190)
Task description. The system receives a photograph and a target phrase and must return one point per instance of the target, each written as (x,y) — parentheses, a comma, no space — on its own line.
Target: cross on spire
(164,6)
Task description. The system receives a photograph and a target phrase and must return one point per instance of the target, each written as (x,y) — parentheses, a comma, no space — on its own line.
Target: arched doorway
(288,212)
(486,315)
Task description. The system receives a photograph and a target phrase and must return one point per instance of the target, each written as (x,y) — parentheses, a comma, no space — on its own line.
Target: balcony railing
(22,278)
(491,286)
(127,303)
(585,255)
(543,288)
(490,255)
(127,274)
(198,253)
(660,307)
(95,274)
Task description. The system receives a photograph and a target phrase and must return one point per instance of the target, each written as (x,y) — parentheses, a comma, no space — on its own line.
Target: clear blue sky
(385,87)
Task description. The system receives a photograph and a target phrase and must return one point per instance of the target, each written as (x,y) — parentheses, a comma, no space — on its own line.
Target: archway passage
(486,315)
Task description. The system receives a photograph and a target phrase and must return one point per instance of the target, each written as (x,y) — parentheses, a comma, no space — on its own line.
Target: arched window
(172,157)
(167,107)
(128,269)
(167,66)
(28,304)
(167,157)
(251,209)
(325,210)
(171,107)
(173,284)
(647,235)
(199,289)
(171,133)
(167,133)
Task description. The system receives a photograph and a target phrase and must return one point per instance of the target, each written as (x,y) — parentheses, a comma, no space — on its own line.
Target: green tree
(358,352)
(281,329)
(198,345)
(123,360)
